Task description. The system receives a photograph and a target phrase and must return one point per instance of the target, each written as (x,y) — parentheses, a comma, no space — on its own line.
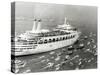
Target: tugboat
(42,40)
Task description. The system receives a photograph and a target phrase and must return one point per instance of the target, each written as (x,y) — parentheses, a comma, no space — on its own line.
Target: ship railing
(55,33)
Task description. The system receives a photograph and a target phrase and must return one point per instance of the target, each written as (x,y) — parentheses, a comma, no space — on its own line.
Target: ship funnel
(38,25)
(34,25)
(65,21)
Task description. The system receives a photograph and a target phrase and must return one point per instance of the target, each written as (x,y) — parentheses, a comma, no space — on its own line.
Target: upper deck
(61,31)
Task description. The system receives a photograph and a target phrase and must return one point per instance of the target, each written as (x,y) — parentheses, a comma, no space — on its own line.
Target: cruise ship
(42,40)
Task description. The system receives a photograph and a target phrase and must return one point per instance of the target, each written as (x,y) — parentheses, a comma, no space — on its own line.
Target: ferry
(42,40)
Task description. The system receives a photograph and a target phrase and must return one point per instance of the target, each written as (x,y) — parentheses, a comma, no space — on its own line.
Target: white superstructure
(41,40)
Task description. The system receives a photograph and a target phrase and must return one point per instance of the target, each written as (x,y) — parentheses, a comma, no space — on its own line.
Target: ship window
(45,41)
(71,36)
(40,42)
(53,39)
(63,38)
(66,37)
(50,40)
(57,39)
(12,40)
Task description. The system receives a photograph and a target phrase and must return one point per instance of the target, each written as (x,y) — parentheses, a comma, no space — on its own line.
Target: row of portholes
(56,39)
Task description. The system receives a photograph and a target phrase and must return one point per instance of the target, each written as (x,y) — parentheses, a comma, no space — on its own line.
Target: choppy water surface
(82,55)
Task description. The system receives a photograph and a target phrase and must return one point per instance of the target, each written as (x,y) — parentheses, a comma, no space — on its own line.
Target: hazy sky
(53,14)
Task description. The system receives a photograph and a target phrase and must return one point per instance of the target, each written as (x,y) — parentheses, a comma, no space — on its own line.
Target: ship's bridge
(66,28)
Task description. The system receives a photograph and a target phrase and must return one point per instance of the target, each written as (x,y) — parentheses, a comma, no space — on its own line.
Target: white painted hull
(47,47)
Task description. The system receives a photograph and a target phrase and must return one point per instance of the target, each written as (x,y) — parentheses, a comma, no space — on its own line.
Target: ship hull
(47,47)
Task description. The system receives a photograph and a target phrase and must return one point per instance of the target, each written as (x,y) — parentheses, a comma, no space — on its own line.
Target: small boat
(70,48)
(81,46)
(69,52)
